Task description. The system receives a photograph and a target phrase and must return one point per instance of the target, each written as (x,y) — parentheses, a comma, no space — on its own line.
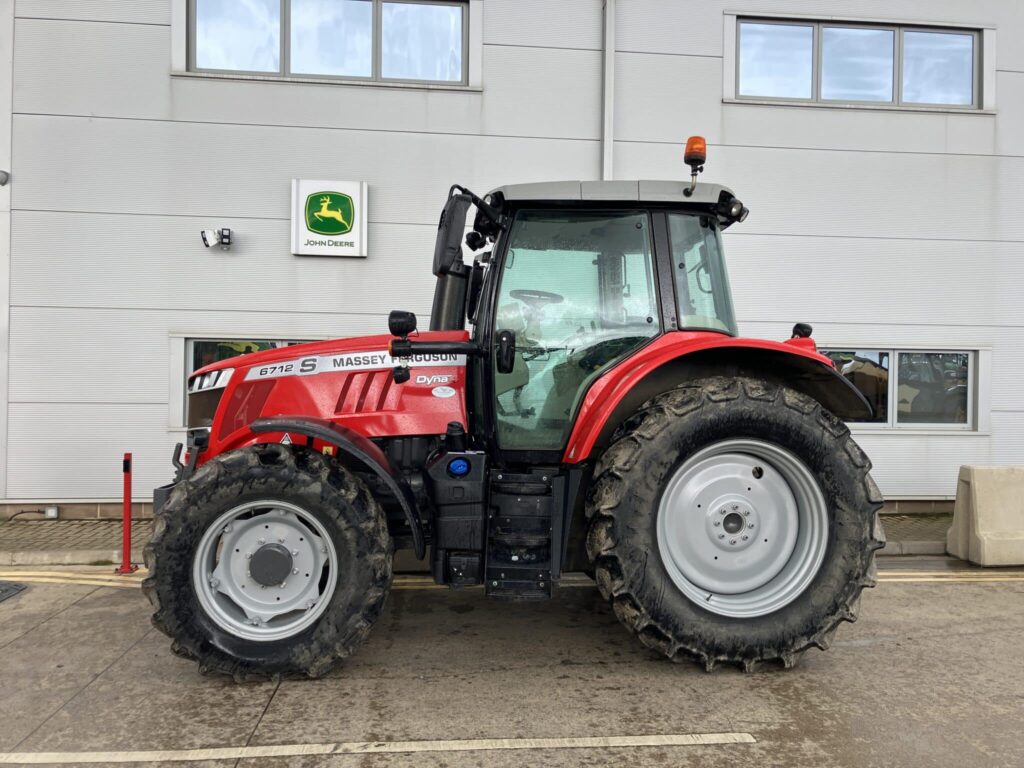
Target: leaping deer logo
(329,213)
(326,212)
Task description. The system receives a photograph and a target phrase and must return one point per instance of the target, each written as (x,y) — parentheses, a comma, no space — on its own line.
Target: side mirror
(506,360)
(401,323)
(448,245)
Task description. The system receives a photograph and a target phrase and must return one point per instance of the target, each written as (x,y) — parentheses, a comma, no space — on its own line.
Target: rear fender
(358,450)
(668,363)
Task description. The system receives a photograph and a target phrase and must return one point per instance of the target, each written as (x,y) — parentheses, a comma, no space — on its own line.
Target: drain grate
(9,589)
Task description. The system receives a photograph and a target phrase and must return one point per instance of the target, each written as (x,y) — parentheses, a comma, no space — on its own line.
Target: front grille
(202,406)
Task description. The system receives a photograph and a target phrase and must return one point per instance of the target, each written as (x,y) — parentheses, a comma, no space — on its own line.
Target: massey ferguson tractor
(581,402)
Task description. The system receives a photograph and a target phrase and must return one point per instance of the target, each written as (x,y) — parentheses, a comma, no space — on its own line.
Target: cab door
(578,289)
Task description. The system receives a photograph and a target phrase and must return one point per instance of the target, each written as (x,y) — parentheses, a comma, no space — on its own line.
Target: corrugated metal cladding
(882,228)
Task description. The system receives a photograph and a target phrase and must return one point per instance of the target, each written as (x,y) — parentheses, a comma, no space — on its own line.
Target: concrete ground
(930,676)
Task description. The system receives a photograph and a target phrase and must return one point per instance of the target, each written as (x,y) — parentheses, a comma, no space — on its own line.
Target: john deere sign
(328,218)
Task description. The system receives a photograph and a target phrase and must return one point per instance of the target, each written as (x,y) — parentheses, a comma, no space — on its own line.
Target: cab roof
(619,191)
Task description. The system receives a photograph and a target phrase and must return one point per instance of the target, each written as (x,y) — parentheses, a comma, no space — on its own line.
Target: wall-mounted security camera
(221,237)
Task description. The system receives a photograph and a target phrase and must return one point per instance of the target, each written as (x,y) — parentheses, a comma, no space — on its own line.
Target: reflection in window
(776,60)
(234,35)
(932,388)
(332,38)
(868,371)
(828,62)
(577,289)
(421,42)
(208,351)
(926,389)
(938,68)
(702,284)
(857,63)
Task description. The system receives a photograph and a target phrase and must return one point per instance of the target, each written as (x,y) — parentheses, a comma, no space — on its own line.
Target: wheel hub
(271,565)
(265,570)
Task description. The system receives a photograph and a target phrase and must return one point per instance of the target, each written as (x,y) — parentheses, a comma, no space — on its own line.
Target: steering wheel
(536,299)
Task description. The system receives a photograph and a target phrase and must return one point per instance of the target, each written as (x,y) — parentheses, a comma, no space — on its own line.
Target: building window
(825,62)
(924,389)
(376,40)
(203,352)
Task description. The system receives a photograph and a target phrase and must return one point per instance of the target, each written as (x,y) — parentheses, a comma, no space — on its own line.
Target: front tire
(269,561)
(734,520)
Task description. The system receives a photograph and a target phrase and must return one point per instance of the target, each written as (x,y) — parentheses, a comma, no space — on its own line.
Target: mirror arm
(403,348)
(485,208)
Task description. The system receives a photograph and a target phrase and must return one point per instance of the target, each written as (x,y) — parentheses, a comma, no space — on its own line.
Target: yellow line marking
(973,572)
(80,582)
(376,747)
(418,583)
(961,580)
(73,575)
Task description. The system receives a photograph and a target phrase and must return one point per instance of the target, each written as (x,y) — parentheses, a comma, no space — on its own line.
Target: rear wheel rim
(742,528)
(243,554)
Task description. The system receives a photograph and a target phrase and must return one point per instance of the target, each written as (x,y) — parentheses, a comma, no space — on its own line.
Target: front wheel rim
(742,528)
(265,570)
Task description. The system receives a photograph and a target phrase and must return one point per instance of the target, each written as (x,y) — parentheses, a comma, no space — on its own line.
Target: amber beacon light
(694,156)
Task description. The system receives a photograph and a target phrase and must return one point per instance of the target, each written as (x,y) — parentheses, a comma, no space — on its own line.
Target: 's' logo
(329,213)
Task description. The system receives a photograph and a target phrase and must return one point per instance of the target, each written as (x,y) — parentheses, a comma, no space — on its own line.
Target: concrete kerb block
(988,517)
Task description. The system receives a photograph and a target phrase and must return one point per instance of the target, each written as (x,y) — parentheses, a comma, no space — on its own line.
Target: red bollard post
(126,534)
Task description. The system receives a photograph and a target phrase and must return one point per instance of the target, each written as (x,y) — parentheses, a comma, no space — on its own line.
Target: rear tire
(316,496)
(679,601)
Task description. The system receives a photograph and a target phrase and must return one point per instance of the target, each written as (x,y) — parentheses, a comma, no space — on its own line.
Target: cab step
(519,532)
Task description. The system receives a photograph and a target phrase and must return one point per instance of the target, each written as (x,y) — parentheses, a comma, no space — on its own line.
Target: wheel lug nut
(745,537)
(295,571)
(248,555)
(717,523)
(261,541)
(295,553)
(735,507)
(732,541)
(721,535)
(750,525)
(746,513)
(281,539)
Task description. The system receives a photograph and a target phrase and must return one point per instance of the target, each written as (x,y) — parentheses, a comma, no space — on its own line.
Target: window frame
(983,62)
(376,78)
(977,368)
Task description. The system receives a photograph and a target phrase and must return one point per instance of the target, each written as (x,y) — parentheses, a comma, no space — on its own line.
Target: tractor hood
(348,382)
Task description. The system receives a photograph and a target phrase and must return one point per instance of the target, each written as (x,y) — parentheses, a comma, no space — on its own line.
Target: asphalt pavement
(931,675)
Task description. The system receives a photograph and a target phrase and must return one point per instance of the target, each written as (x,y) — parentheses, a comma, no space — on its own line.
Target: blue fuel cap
(458,467)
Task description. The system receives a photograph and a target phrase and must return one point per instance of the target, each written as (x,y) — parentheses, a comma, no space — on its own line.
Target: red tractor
(601,414)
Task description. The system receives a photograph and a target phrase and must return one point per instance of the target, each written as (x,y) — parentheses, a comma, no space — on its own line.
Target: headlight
(204,393)
(212,380)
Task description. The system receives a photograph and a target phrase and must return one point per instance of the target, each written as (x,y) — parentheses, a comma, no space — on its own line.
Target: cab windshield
(702,285)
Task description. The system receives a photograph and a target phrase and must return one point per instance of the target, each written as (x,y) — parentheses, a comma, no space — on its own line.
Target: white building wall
(881,228)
